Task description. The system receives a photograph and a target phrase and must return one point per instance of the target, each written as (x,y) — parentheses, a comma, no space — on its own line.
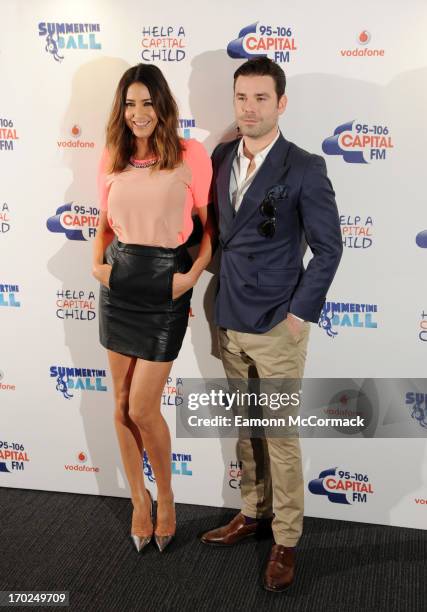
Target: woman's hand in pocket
(102,274)
(182,283)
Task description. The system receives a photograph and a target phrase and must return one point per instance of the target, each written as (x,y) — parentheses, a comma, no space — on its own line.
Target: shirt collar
(261,155)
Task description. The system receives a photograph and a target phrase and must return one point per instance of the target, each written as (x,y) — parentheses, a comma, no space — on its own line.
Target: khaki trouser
(272,479)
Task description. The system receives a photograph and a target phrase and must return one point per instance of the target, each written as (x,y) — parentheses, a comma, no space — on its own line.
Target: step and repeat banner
(357,95)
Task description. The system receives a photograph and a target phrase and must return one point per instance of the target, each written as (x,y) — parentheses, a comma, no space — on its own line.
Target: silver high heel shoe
(163,540)
(142,541)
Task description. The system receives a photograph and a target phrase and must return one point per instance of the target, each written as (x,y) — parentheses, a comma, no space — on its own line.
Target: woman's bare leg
(148,381)
(130,441)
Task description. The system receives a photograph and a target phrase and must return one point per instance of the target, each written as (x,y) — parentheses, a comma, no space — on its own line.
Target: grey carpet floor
(80,543)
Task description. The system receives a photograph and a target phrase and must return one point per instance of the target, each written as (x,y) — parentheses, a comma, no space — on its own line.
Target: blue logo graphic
(76,222)
(316,486)
(359,142)
(331,146)
(325,323)
(346,314)
(421,239)
(68,36)
(341,487)
(186,125)
(148,470)
(77,378)
(52,48)
(235,47)
(179,466)
(8,296)
(418,404)
(263,41)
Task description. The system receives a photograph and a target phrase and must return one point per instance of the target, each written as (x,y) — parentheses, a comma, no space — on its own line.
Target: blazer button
(251,257)
(225,248)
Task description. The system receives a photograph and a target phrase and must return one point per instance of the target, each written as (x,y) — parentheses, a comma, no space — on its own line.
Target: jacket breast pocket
(278,277)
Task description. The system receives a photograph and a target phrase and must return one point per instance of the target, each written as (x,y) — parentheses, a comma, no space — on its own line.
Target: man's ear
(282,104)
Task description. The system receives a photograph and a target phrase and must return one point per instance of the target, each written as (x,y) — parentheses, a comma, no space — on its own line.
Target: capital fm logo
(180,465)
(82,379)
(342,486)
(421,239)
(417,403)
(75,221)
(63,37)
(363,39)
(347,314)
(13,457)
(75,142)
(8,134)
(163,43)
(359,143)
(258,40)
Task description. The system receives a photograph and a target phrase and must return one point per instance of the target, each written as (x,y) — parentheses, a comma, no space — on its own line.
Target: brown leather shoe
(280,571)
(234,532)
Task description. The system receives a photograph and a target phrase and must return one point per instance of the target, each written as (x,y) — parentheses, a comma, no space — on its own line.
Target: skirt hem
(139,355)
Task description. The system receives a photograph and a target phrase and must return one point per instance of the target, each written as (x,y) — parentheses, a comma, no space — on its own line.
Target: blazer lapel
(226,211)
(273,169)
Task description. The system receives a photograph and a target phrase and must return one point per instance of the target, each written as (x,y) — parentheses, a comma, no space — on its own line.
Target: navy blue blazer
(262,279)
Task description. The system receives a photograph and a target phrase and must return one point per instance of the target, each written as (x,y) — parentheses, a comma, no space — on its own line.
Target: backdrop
(357,96)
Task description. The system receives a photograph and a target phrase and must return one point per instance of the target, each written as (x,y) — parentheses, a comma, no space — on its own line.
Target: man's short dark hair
(263,66)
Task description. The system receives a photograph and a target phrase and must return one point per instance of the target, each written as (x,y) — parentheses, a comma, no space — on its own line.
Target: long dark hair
(164,141)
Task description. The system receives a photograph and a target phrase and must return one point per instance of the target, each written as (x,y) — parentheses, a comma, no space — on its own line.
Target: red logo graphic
(364,37)
(82,457)
(76,131)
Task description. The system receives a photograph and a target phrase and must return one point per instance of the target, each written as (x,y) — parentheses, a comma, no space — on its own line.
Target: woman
(149,180)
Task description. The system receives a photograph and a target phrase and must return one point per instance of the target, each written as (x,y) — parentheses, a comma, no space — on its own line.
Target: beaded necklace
(144,163)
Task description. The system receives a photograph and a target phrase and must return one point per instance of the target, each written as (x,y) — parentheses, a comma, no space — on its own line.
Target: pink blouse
(153,207)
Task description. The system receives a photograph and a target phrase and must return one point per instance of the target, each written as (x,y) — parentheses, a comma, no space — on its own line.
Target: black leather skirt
(137,315)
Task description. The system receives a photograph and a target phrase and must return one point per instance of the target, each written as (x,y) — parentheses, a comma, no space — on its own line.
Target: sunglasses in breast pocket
(267,228)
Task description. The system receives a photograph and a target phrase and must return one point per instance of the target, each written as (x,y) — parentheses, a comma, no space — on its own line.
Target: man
(271,198)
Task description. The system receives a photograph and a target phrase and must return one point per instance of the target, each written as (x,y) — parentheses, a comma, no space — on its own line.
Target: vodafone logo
(79,467)
(3,385)
(364,37)
(75,133)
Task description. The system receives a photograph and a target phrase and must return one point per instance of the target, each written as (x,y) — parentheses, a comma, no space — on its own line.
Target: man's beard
(258,130)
